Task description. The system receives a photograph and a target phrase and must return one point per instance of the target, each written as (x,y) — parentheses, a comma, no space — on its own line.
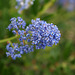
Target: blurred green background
(56,60)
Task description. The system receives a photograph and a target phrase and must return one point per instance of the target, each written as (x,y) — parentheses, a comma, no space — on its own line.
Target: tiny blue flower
(23,4)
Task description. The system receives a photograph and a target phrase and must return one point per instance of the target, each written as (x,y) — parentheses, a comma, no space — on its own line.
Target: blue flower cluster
(13,51)
(23,4)
(16,50)
(39,34)
(43,33)
(16,24)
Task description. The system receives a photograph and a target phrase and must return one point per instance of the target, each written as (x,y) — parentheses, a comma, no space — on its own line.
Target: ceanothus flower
(43,34)
(17,50)
(39,34)
(16,24)
(13,51)
(23,4)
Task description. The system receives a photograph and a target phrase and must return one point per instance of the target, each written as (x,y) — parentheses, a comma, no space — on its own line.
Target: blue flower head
(16,50)
(23,4)
(13,51)
(16,24)
(43,33)
(38,34)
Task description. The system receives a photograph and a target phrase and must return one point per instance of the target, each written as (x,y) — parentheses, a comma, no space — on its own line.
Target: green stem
(49,4)
(10,43)
(8,39)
